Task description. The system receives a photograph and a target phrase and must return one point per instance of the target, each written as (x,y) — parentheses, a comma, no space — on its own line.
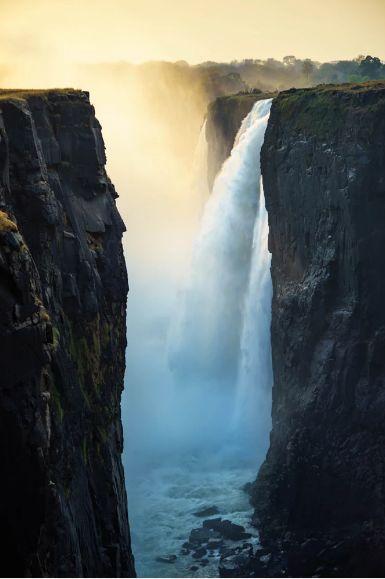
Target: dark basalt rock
(199,536)
(199,553)
(214,544)
(212,524)
(235,565)
(63,289)
(226,529)
(319,497)
(207,512)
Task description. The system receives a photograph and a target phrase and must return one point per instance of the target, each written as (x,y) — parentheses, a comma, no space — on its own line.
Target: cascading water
(205,417)
(253,393)
(207,340)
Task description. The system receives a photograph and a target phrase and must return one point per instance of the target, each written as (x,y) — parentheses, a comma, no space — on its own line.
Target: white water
(195,434)
(207,338)
(253,404)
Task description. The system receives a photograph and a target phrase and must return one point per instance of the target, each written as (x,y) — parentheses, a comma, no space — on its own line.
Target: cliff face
(63,290)
(320,495)
(224,118)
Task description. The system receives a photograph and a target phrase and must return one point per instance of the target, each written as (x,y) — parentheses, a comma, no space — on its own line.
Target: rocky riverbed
(172,533)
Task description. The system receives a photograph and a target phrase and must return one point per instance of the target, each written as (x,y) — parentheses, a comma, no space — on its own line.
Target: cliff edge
(320,495)
(63,290)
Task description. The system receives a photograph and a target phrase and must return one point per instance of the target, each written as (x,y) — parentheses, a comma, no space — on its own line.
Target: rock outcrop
(224,117)
(320,495)
(63,290)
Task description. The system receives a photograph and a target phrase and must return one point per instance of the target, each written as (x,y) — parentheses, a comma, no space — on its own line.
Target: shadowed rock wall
(320,495)
(63,289)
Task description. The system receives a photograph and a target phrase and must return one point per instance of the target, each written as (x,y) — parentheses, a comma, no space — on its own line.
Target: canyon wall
(63,290)
(320,495)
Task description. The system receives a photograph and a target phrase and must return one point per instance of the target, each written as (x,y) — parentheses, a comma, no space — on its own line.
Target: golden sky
(43,41)
(37,34)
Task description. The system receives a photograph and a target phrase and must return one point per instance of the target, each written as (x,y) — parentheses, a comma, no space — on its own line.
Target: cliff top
(25,94)
(323,109)
(344,88)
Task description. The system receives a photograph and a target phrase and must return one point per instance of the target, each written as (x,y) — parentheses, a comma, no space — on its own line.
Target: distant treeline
(274,74)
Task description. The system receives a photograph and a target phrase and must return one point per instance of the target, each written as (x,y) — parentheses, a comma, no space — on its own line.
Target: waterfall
(253,392)
(222,306)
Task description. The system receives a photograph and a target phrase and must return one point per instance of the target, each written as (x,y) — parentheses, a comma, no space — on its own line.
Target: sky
(42,38)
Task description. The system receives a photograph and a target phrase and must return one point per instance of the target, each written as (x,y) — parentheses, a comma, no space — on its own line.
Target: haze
(39,39)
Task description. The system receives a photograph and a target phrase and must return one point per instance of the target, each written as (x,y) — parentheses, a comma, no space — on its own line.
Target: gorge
(295,542)
(304,168)
(204,449)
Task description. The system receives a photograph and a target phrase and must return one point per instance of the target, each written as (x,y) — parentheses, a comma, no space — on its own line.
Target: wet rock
(207,512)
(214,544)
(194,568)
(204,562)
(247,546)
(235,565)
(199,535)
(213,524)
(227,529)
(199,553)
(186,548)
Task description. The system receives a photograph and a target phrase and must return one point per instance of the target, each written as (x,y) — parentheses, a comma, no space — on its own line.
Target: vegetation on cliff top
(324,108)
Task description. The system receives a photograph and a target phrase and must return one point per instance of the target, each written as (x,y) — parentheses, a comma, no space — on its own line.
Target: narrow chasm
(197,401)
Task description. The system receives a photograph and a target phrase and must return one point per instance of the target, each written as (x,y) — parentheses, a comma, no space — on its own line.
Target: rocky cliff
(63,290)
(224,117)
(320,495)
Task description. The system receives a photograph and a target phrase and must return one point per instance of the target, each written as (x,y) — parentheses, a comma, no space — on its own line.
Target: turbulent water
(197,405)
